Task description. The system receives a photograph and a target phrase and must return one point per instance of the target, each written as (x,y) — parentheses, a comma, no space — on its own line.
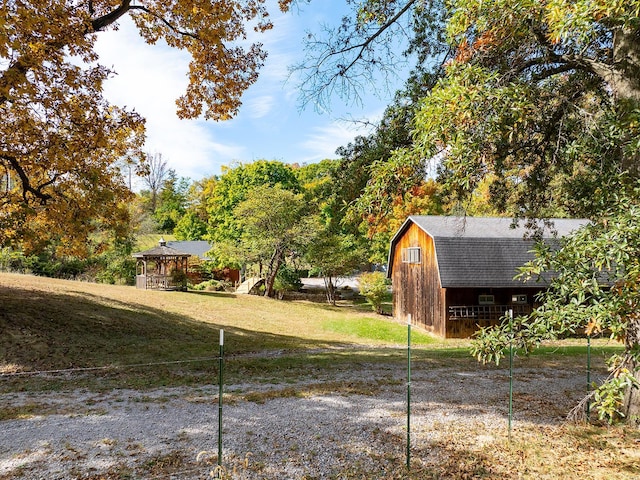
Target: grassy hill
(52,324)
(150,240)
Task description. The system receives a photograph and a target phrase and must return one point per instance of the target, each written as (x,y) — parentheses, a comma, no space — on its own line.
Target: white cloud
(323,141)
(260,106)
(149,79)
(269,125)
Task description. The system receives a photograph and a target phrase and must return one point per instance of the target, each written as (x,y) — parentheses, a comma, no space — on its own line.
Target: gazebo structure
(162,268)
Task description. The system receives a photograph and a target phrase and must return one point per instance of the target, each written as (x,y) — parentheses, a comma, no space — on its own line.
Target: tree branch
(26,184)
(563,62)
(111,17)
(347,46)
(165,21)
(369,40)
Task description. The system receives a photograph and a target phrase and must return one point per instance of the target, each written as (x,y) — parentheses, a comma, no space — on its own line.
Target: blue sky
(269,125)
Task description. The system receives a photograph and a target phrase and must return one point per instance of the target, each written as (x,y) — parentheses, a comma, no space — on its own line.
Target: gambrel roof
(482,251)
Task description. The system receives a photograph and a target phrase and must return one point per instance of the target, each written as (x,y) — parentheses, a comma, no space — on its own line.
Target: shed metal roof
(482,251)
(492,227)
(198,248)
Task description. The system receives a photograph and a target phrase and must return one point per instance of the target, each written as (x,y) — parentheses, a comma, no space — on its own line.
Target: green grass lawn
(377,330)
(53,324)
(150,240)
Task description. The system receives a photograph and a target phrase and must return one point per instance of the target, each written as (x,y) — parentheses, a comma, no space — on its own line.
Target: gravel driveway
(271,433)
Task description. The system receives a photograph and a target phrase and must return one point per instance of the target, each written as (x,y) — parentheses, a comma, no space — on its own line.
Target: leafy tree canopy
(171,202)
(274,225)
(541,96)
(233,187)
(193,225)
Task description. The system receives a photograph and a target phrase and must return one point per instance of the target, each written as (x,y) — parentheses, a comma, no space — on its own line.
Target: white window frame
(412,255)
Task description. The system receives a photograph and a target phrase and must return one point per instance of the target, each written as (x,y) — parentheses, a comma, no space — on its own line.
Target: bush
(114,269)
(43,264)
(12,261)
(212,286)
(179,279)
(114,265)
(287,280)
(374,287)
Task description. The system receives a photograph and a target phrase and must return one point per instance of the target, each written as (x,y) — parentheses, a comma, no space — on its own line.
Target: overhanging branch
(27,188)
(362,47)
(111,17)
(172,27)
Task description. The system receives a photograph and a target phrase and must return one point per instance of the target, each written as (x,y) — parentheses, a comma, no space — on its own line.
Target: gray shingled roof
(161,251)
(482,251)
(197,248)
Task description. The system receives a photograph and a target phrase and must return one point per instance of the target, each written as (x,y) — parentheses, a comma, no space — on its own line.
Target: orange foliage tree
(61,141)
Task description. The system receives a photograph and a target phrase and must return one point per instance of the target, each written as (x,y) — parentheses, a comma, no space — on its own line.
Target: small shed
(162,268)
(456,274)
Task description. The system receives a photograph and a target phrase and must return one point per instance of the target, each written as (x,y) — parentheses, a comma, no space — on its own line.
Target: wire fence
(66,371)
(212,470)
(207,470)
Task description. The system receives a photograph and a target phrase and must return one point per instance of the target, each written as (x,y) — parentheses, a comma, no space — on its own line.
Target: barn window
(518,298)
(486,299)
(411,255)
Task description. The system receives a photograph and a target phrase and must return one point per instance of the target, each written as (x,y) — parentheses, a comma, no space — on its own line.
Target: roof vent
(162,242)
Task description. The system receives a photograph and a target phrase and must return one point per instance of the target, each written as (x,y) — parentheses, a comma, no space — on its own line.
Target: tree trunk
(625,75)
(626,91)
(330,289)
(274,266)
(631,408)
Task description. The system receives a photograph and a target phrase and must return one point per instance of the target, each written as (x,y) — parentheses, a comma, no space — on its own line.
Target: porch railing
(155,282)
(486,312)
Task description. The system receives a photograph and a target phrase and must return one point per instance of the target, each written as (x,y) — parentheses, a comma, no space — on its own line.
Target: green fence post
(588,376)
(510,370)
(220,389)
(409,392)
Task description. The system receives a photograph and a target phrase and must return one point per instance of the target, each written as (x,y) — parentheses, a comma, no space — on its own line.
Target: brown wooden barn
(456,274)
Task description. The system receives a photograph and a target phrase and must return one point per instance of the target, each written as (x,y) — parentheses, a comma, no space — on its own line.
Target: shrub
(374,287)
(13,261)
(212,286)
(287,280)
(179,279)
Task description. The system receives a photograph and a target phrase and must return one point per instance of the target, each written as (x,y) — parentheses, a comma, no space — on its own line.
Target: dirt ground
(291,431)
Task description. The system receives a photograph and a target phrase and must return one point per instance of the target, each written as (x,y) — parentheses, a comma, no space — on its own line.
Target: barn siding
(416,287)
(464,328)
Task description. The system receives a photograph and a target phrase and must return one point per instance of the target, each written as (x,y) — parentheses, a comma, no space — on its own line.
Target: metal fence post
(220,389)
(409,392)
(588,376)
(510,370)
